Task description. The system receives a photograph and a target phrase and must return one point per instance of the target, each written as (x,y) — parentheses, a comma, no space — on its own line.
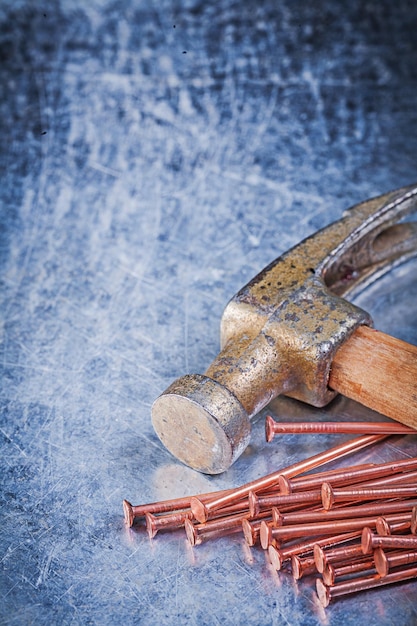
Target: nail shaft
(221,526)
(370,541)
(413,524)
(201,512)
(279,556)
(165,522)
(327,593)
(164,506)
(273,428)
(176,519)
(331,496)
(384,562)
(257,503)
(195,535)
(251,529)
(350,476)
(401,526)
(324,558)
(332,572)
(363,510)
(287,533)
(302,566)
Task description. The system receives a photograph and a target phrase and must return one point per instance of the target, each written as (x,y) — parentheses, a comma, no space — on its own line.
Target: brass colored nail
(327,593)
(201,513)
(384,562)
(302,566)
(332,572)
(370,541)
(273,428)
(330,496)
(323,558)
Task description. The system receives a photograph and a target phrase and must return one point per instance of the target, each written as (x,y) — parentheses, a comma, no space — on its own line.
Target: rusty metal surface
(155,156)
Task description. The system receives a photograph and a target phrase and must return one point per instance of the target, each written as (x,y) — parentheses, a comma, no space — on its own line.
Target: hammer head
(202,423)
(280,332)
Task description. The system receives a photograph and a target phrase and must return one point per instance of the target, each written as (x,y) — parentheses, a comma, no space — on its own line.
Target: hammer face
(201,423)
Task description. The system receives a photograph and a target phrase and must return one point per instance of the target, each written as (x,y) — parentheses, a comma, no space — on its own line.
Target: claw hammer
(291,331)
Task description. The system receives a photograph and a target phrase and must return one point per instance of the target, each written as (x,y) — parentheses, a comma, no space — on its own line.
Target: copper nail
(259,502)
(339,476)
(302,566)
(413,525)
(275,557)
(370,472)
(324,557)
(294,531)
(165,522)
(370,541)
(332,572)
(384,561)
(280,556)
(327,593)
(251,530)
(164,506)
(202,511)
(273,428)
(402,478)
(265,535)
(220,527)
(330,496)
(401,525)
(128,513)
(362,510)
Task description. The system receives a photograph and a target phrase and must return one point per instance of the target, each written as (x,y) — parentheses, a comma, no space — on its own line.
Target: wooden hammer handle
(378,371)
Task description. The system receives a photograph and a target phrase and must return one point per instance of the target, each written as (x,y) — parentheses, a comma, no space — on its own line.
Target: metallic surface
(141,187)
(280,332)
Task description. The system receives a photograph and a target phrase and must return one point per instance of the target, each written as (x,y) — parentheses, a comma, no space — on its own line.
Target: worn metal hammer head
(281,331)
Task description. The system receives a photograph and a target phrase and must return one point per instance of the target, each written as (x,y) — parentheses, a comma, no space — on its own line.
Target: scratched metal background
(155,155)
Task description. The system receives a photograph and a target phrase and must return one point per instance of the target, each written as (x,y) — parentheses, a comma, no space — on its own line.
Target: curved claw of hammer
(280,333)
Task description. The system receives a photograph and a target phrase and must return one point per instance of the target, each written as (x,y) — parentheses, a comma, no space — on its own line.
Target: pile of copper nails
(353,528)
